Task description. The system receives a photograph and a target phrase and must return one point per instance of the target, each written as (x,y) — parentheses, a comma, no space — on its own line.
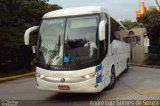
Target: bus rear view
(71,50)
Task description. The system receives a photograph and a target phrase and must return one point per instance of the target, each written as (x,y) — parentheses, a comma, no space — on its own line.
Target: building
(139,47)
(144,9)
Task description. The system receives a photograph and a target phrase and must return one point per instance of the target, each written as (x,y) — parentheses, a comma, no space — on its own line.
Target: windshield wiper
(42,49)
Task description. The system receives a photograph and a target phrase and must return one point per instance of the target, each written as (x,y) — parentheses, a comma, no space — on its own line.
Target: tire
(112,79)
(127,66)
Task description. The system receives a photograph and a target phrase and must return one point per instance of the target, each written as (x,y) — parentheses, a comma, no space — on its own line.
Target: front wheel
(112,79)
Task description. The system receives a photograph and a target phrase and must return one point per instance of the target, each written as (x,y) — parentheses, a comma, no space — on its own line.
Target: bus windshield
(68,41)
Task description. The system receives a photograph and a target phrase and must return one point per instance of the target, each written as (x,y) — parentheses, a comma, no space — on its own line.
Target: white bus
(79,49)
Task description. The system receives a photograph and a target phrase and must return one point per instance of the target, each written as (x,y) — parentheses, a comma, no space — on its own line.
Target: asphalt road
(138,84)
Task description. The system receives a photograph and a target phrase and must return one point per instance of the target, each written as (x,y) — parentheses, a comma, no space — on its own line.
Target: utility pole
(157,3)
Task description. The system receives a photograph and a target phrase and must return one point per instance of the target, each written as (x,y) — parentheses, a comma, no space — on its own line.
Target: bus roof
(75,11)
(79,11)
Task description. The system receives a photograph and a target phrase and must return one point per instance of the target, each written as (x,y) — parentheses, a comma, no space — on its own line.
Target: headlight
(88,76)
(42,76)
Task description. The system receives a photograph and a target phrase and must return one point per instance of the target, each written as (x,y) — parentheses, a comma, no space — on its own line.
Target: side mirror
(102,30)
(27,34)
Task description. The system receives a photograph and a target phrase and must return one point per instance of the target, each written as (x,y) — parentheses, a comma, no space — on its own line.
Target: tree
(18,15)
(151,21)
(129,24)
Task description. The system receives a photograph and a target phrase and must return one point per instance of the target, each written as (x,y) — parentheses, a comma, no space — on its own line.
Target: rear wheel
(112,79)
(127,66)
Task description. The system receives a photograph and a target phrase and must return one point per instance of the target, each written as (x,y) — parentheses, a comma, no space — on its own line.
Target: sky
(121,9)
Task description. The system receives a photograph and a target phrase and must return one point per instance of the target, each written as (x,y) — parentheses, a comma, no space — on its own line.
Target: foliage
(129,24)
(18,15)
(151,21)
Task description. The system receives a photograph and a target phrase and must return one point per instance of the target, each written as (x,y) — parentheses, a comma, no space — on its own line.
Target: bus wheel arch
(127,65)
(112,78)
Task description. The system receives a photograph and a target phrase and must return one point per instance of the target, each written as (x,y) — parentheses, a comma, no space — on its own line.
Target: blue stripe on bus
(99,78)
(98,67)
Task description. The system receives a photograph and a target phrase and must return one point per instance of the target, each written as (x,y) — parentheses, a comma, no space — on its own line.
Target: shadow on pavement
(75,96)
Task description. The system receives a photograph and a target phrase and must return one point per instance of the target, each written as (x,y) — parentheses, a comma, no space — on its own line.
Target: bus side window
(114,30)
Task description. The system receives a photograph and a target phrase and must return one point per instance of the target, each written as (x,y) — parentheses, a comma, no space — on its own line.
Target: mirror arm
(27,33)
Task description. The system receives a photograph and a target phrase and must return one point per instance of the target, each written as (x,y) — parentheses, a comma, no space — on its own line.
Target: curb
(17,76)
(149,66)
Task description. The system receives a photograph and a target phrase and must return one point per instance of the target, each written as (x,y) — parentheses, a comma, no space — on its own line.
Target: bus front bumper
(87,86)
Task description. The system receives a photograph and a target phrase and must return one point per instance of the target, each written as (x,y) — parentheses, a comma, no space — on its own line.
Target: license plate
(63,87)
